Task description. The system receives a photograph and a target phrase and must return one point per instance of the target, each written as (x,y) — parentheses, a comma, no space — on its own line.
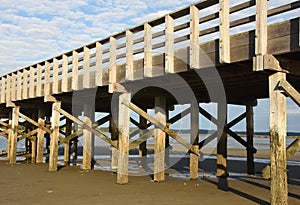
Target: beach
(27,183)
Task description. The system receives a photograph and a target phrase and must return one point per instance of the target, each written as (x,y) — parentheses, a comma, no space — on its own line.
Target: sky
(35,30)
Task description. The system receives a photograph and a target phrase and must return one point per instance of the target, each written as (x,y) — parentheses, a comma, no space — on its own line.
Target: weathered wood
(143,145)
(224,41)
(290,91)
(88,142)
(85,126)
(86,66)
(55,123)
(40,138)
(114,137)
(221,146)
(279,190)
(99,67)
(39,80)
(74,70)
(261,33)
(25,84)
(169,57)
(123,127)
(67,145)
(129,56)
(31,83)
(19,85)
(3,90)
(13,136)
(159,139)
(13,86)
(194,162)
(250,134)
(55,83)
(9,136)
(112,63)
(64,77)
(33,149)
(161,126)
(194,37)
(148,70)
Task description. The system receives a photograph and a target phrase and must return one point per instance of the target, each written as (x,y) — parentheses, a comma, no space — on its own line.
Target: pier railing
(138,52)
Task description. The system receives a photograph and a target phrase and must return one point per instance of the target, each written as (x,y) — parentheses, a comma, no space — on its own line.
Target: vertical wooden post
(99,74)
(13,135)
(279,189)
(3,89)
(67,150)
(9,136)
(250,133)
(143,145)
(75,144)
(194,37)
(75,70)
(13,86)
(19,86)
(64,77)
(129,56)
(47,136)
(123,127)
(39,80)
(148,71)
(86,68)
(114,151)
(112,63)
(31,82)
(88,144)
(33,149)
(169,59)
(55,76)
(40,137)
(25,84)
(55,123)
(261,33)
(159,140)
(222,146)
(8,90)
(194,161)
(224,43)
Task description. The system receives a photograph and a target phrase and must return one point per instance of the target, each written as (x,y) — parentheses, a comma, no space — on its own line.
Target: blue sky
(32,31)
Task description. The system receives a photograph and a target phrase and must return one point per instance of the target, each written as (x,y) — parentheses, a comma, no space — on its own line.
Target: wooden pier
(175,59)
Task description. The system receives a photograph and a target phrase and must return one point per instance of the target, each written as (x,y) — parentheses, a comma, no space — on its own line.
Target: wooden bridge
(220,56)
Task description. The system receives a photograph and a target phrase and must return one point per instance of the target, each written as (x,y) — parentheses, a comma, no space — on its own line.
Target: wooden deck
(144,66)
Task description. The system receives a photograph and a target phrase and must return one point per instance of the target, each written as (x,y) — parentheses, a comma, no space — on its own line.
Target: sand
(33,184)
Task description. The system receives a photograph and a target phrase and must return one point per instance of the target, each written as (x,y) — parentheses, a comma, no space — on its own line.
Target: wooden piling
(67,150)
(13,135)
(159,140)
(250,133)
(143,145)
(88,142)
(123,126)
(55,123)
(40,137)
(194,162)
(221,146)
(33,149)
(279,189)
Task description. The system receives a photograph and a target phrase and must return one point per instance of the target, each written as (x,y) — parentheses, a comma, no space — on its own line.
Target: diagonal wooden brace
(85,126)
(162,127)
(290,91)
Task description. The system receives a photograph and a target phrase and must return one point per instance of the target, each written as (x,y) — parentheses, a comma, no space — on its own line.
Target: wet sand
(33,184)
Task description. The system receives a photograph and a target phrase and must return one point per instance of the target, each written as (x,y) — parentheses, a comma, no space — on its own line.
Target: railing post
(99,74)
(169,58)
(148,70)
(31,82)
(13,86)
(19,85)
(224,42)
(194,37)
(112,64)
(129,56)
(25,84)
(261,34)
(39,81)
(64,78)
(86,66)
(75,70)
(3,89)
(55,76)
